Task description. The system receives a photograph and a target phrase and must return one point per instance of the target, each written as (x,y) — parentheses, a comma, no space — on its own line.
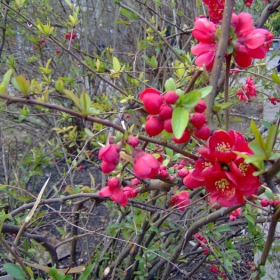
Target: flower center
(222,184)
(223,147)
(243,168)
(206,165)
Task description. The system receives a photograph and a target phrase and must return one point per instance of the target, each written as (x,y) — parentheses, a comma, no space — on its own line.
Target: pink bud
(264,203)
(198,119)
(163,174)
(168,125)
(171,97)
(152,100)
(133,141)
(135,182)
(108,167)
(200,107)
(114,183)
(185,137)
(165,111)
(203,132)
(183,173)
(154,126)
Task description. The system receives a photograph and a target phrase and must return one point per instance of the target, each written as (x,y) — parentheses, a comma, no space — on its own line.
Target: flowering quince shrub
(153,175)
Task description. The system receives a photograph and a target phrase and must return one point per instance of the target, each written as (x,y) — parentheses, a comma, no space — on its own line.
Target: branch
(95,120)
(270,9)
(222,47)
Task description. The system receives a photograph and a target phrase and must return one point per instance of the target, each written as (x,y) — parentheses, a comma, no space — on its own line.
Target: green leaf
(154,62)
(128,14)
(15,271)
(85,103)
(270,140)
(73,97)
(116,64)
(275,78)
(254,146)
(254,158)
(180,119)
(250,219)
(257,135)
(205,91)
(6,79)
(190,99)
(21,84)
(268,193)
(170,85)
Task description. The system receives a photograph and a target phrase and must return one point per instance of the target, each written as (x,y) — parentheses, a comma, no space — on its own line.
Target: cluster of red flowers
(117,193)
(225,175)
(70,36)
(248,91)
(160,109)
(247,41)
(273,203)
(216,9)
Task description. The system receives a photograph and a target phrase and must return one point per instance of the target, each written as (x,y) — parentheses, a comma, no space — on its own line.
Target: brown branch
(222,47)
(95,120)
(269,9)
(269,240)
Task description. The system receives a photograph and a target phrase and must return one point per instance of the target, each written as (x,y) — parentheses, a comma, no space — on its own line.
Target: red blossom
(200,107)
(129,191)
(235,214)
(145,165)
(70,36)
(168,125)
(181,200)
(165,111)
(191,182)
(204,30)
(57,51)
(116,194)
(198,119)
(133,141)
(203,132)
(110,153)
(248,91)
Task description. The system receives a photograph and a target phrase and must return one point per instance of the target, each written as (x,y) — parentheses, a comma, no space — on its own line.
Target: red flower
(215,8)
(235,214)
(70,36)
(205,53)
(248,91)
(152,100)
(250,42)
(57,51)
(181,200)
(192,183)
(204,30)
(154,126)
(110,153)
(42,41)
(130,192)
(114,183)
(116,194)
(145,165)
(225,175)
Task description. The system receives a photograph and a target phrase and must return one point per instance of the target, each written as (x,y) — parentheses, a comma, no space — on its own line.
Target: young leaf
(21,84)
(86,273)
(170,85)
(73,97)
(116,64)
(257,135)
(15,271)
(190,99)
(180,119)
(6,79)
(154,62)
(270,140)
(85,103)
(275,78)
(128,14)
(205,91)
